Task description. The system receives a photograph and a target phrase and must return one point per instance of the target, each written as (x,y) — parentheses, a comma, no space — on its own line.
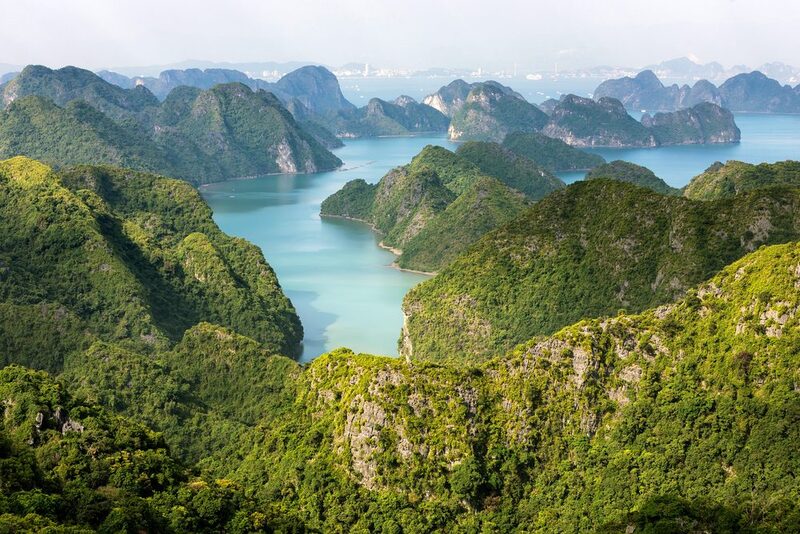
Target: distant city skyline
(415,34)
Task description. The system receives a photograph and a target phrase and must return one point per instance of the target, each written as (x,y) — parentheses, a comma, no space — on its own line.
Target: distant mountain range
(683,70)
(216,124)
(747,92)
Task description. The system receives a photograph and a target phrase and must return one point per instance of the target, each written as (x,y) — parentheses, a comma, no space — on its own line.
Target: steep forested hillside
(734,177)
(552,154)
(152,419)
(681,419)
(594,248)
(119,255)
(634,174)
(72,116)
(432,209)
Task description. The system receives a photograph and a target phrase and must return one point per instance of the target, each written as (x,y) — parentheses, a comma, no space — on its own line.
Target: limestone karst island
(428,267)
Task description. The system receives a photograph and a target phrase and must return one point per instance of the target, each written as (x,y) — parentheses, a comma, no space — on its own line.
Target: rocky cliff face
(403,116)
(568,432)
(452,97)
(245,132)
(71,116)
(316,87)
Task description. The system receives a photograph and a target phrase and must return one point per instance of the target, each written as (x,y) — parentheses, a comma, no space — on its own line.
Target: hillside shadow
(315,323)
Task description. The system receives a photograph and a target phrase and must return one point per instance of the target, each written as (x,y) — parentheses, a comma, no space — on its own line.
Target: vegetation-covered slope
(489,114)
(70,465)
(681,419)
(105,277)
(589,250)
(583,122)
(403,116)
(517,172)
(238,132)
(734,177)
(586,122)
(116,255)
(69,84)
(631,173)
(704,123)
(551,154)
(75,134)
(450,98)
(484,206)
(436,206)
(71,116)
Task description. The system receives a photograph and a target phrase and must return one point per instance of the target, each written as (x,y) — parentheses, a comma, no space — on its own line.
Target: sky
(402,33)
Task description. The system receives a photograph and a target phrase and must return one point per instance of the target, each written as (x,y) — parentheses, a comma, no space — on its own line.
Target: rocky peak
(404,101)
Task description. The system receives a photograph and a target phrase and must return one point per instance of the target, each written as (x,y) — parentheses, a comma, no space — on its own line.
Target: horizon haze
(529,35)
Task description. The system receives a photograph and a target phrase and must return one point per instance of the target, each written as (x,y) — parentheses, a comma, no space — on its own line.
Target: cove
(340,281)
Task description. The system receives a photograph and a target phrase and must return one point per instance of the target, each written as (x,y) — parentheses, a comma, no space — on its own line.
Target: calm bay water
(765,138)
(340,281)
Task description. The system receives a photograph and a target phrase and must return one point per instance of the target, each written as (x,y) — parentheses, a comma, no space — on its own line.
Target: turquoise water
(340,281)
(765,138)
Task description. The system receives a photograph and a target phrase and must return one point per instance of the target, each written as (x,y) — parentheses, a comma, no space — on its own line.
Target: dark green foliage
(586,251)
(685,418)
(71,466)
(353,201)
(631,173)
(701,124)
(517,172)
(551,154)
(440,203)
(71,116)
(70,84)
(403,116)
(486,205)
(123,256)
(734,177)
(584,122)
(489,114)
(78,133)
(598,428)
(240,132)
(673,515)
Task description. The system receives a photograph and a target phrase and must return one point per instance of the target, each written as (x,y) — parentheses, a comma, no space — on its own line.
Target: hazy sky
(415,33)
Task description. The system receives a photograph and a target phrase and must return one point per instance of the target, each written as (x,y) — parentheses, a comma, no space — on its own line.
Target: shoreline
(398,252)
(395,251)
